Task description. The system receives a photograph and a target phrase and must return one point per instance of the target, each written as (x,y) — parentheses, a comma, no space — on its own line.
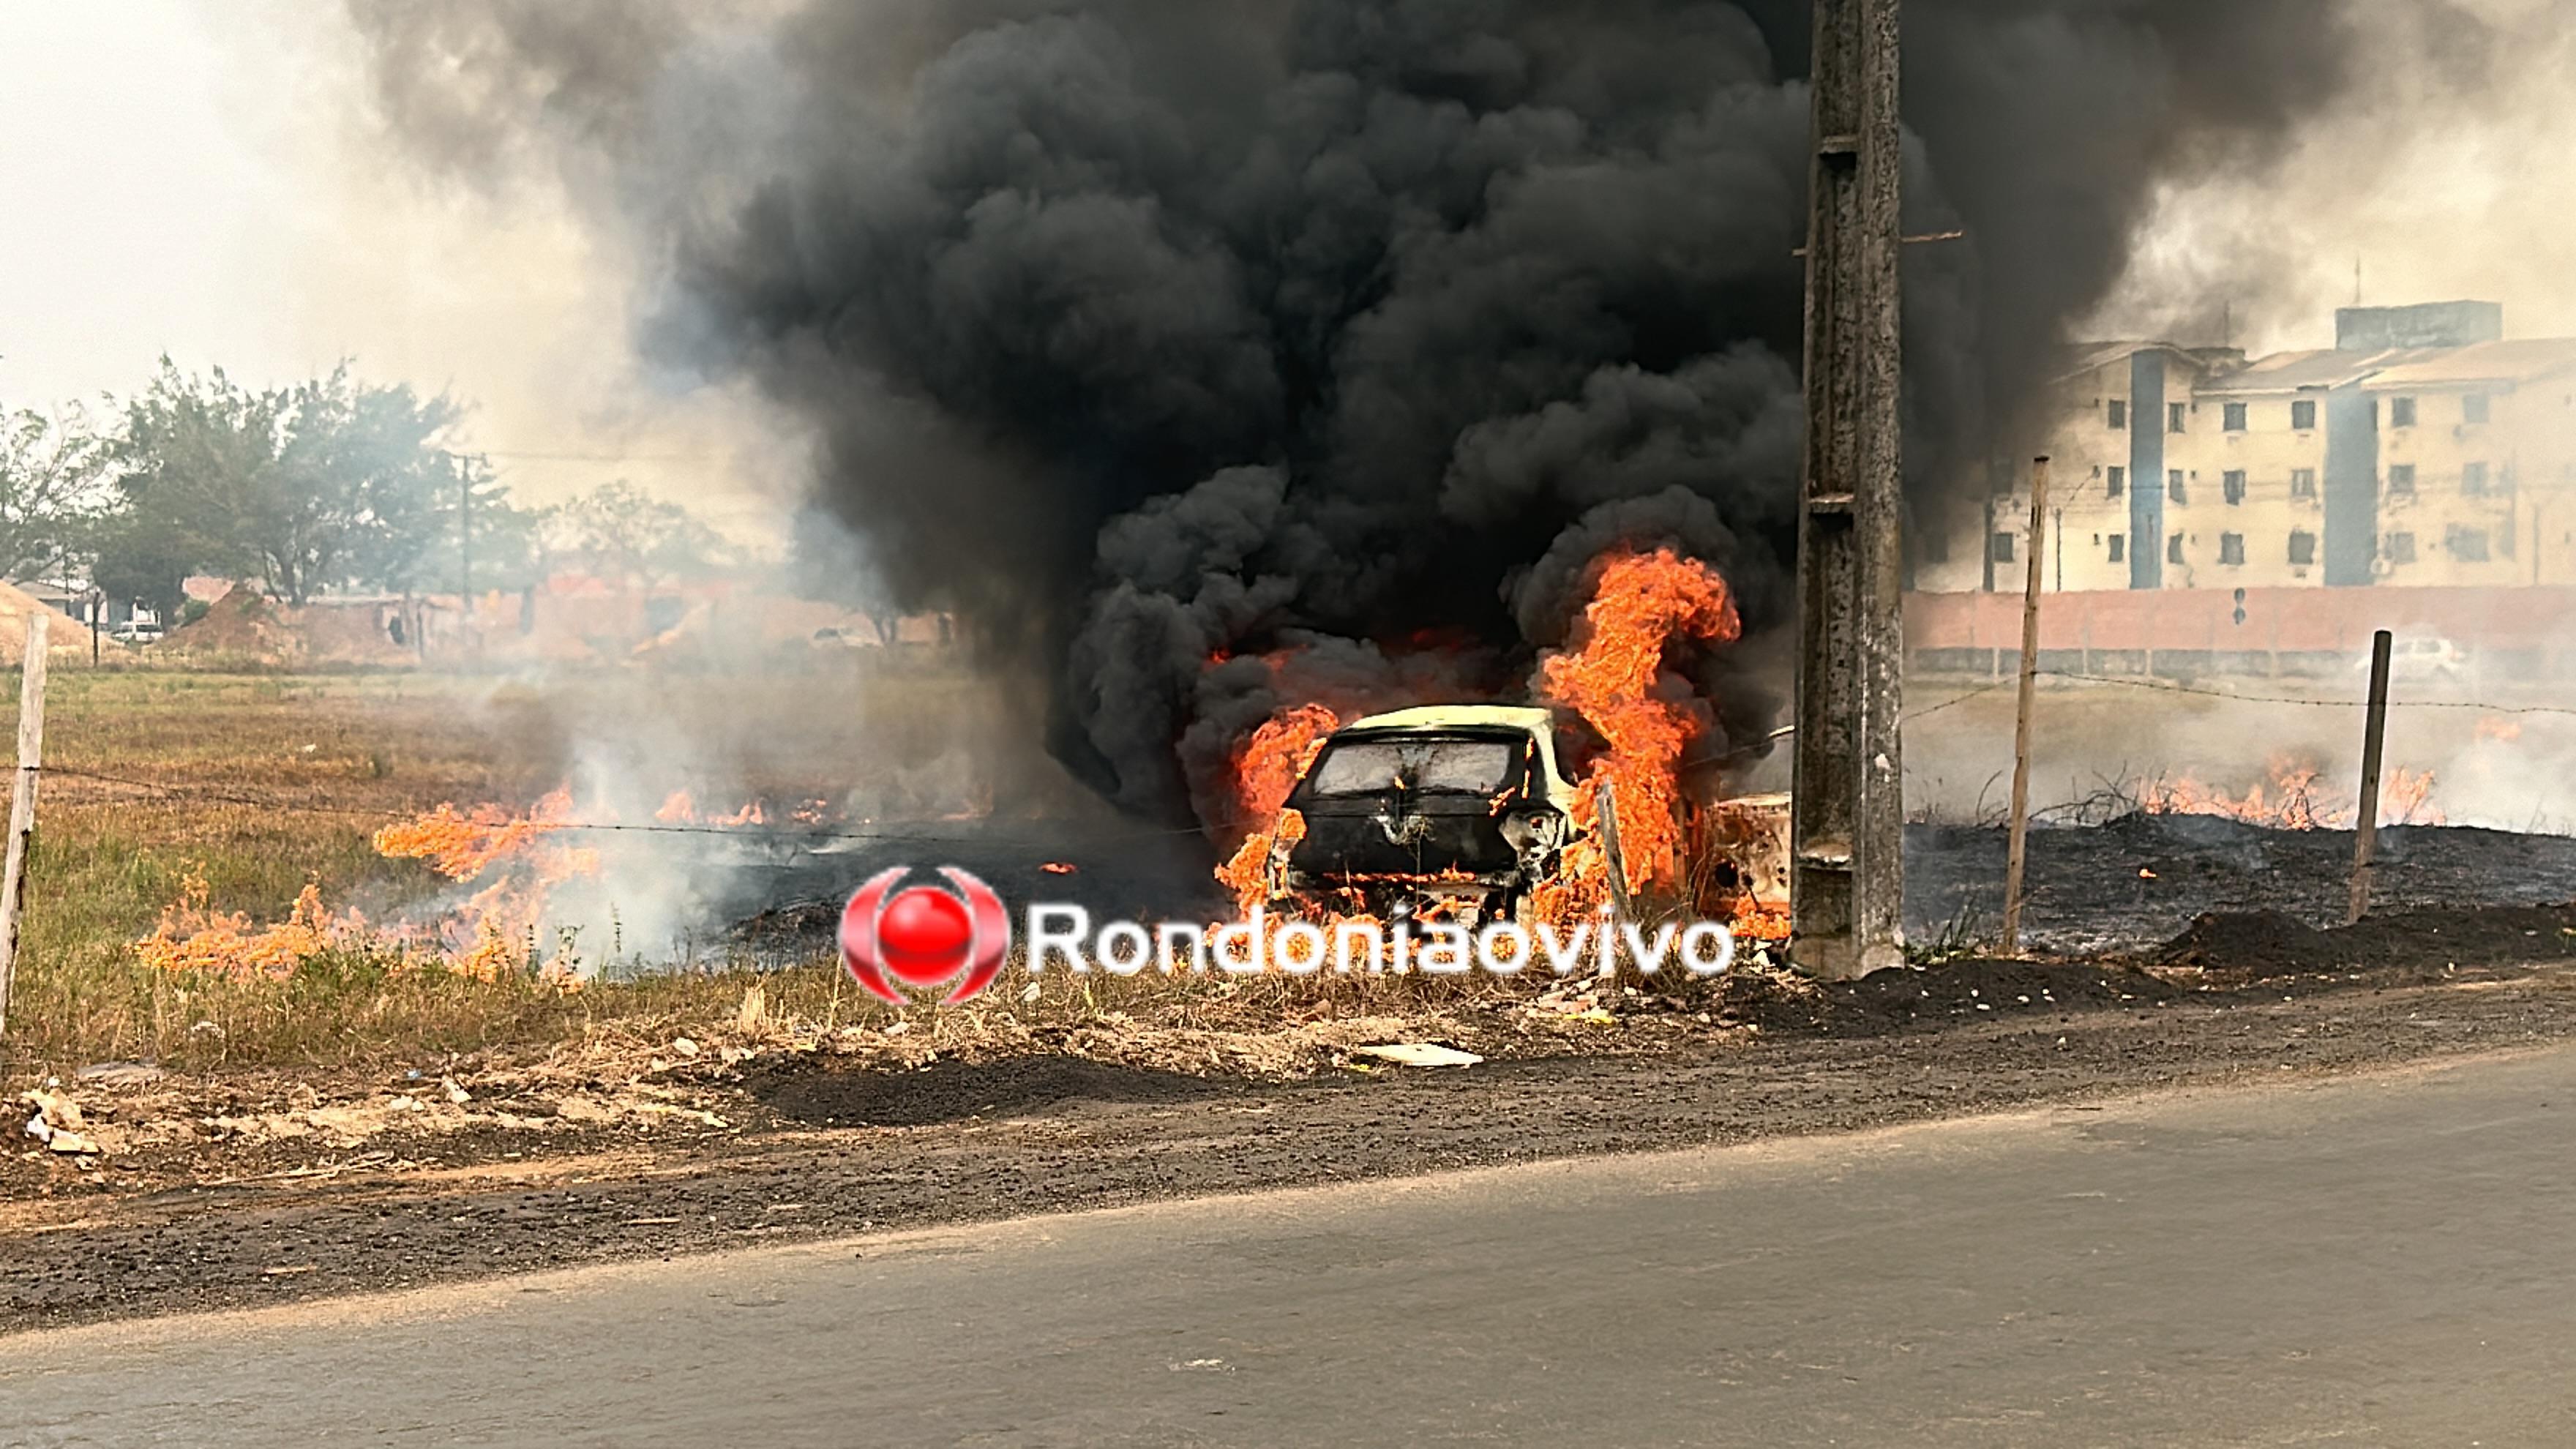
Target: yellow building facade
(2448,459)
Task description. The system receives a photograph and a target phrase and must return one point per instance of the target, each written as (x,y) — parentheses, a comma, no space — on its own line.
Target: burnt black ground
(1029,1134)
(2143,879)
(2117,887)
(953,1090)
(785,892)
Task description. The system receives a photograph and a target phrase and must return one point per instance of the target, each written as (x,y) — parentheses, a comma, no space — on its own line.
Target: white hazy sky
(205,179)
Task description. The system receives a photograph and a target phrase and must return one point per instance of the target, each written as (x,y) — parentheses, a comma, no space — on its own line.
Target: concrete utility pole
(1848,808)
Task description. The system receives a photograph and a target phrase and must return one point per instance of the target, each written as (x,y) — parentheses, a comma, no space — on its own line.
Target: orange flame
(492,932)
(1759,922)
(2287,800)
(2406,798)
(682,809)
(191,937)
(1642,603)
(464,847)
(1266,771)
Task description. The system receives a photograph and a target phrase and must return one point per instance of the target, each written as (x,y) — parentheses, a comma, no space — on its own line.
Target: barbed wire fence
(823,832)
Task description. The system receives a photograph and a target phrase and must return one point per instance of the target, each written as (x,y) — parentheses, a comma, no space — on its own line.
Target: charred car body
(1452,811)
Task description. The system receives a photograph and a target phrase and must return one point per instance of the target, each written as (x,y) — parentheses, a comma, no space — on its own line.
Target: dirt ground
(311,1141)
(247,1189)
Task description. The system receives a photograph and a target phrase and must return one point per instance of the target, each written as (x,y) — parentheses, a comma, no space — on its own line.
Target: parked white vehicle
(2422,658)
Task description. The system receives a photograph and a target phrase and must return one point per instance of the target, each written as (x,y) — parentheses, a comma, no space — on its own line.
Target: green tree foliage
(326,484)
(323,483)
(471,537)
(618,531)
(53,486)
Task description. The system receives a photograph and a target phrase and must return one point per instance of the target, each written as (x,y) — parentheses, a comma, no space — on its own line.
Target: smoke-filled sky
(1153,332)
(210,179)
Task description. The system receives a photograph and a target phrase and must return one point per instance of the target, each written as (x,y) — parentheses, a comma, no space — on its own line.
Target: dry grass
(260,784)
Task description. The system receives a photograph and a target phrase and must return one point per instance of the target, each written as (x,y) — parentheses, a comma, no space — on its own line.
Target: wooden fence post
(22,804)
(2016,856)
(2374,734)
(1612,852)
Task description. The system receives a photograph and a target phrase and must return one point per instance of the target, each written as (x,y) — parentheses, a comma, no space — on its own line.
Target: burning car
(1454,812)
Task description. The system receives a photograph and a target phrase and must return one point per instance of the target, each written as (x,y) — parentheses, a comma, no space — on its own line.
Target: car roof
(1461,716)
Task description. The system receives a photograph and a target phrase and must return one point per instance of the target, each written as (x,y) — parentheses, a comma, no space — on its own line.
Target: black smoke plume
(1216,354)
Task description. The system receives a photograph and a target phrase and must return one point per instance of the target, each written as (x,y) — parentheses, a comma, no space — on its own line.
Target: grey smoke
(1349,331)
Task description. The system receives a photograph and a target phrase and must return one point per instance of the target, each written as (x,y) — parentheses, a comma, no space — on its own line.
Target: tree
(53,484)
(507,543)
(325,483)
(471,538)
(142,556)
(620,530)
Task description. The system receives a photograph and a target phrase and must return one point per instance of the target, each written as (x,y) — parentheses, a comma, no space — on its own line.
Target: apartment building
(2423,449)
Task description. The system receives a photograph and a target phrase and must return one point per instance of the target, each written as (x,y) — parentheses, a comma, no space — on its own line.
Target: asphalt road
(2377,1260)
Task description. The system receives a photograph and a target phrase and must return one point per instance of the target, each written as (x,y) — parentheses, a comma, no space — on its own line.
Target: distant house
(78,601)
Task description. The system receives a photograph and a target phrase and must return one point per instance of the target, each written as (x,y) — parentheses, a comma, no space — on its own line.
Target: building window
(2231,548)
(2303,548)
(2401,412)
(2232,483)
(2000,548)
(2473,408)
(2401,480)
(2468,545)
(2235,417)
(2303,416)
(2473,480)
(2119,412)
(2173,487)
(2119,479)
(2174,417)
(2399,549)
(2119,548)
(2173,549)
(2303,482)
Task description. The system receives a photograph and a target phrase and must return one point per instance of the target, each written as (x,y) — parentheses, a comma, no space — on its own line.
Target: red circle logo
(925,937)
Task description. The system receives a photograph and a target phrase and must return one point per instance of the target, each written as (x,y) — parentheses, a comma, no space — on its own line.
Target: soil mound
(246,624)
(1902,997)
(950,1090)
(69,635)
(2256,943)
